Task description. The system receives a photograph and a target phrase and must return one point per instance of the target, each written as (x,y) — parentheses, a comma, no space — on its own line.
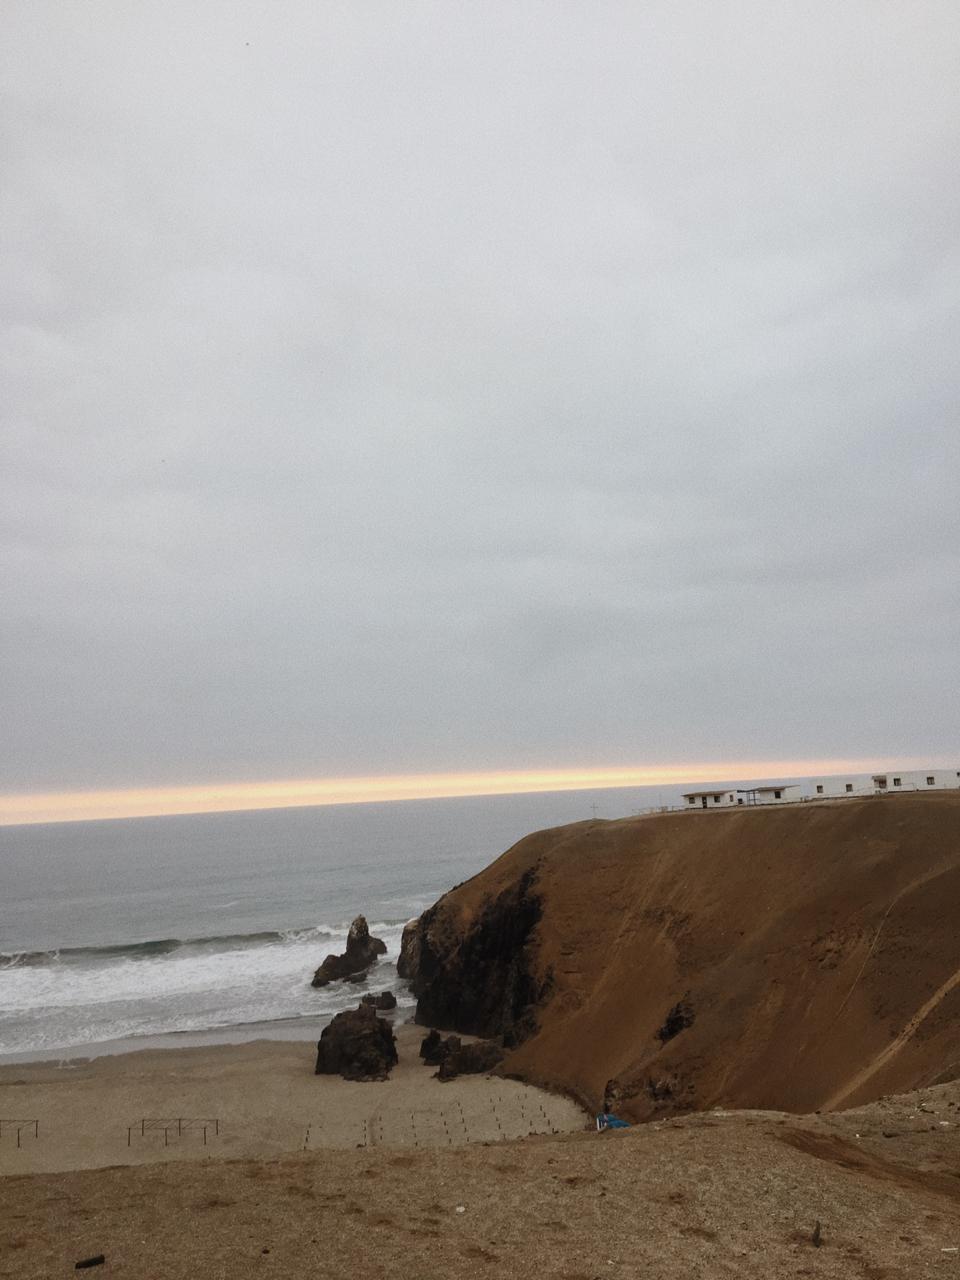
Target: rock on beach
(357,1045)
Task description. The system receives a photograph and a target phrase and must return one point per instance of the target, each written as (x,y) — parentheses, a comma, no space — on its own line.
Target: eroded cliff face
(479,975)
(796,958)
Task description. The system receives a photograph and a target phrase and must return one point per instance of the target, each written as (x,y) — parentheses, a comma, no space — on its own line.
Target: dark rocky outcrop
(434,1047)
(408,962)
(362,951)
(479,976)
(470,1059)
(357,1045)
(385,1000)
(678,1019)
(454,1058)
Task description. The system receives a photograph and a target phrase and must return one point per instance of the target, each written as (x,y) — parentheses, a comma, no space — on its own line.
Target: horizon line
(29,809)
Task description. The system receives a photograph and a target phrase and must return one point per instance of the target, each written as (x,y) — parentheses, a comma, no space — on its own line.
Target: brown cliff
(799,957)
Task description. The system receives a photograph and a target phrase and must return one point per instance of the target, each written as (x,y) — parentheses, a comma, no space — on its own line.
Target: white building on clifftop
(893,782)
(890,782)
(768,793)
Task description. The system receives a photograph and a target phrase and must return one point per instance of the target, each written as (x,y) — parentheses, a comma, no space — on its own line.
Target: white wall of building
(710,799)
(773,795)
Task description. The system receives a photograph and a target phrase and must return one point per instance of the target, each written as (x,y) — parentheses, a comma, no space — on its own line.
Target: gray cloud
(412,387)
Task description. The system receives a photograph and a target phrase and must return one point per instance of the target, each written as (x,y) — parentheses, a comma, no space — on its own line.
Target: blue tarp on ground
(605,1120)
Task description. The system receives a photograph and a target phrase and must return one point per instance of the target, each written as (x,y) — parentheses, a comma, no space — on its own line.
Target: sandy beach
(250,1101)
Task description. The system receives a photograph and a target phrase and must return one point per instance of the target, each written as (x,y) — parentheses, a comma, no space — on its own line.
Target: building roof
(777,786)
(721,791)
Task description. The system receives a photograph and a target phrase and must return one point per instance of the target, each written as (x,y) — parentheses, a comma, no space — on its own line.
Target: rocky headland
(795,958)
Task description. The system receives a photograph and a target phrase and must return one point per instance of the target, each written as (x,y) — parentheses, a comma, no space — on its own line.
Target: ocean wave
(58,1006)
(157,948)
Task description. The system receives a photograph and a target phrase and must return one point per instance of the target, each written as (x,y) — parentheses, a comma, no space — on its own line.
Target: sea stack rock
(362,951)
(356,1045)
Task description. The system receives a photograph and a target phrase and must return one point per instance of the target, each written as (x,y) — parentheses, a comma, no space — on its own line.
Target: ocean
(128,933)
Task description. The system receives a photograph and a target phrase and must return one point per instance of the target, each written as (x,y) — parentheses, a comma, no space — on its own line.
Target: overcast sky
(422,386)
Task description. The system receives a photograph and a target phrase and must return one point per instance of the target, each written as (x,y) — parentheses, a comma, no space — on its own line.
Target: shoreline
(306,1028)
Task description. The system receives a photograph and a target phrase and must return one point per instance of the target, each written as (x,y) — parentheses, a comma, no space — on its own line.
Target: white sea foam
(193,987)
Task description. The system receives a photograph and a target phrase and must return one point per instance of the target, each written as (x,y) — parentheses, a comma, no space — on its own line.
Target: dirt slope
(715,1195)
(795,958)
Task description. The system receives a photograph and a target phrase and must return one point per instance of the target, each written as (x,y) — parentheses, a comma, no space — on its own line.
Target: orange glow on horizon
(78,806)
